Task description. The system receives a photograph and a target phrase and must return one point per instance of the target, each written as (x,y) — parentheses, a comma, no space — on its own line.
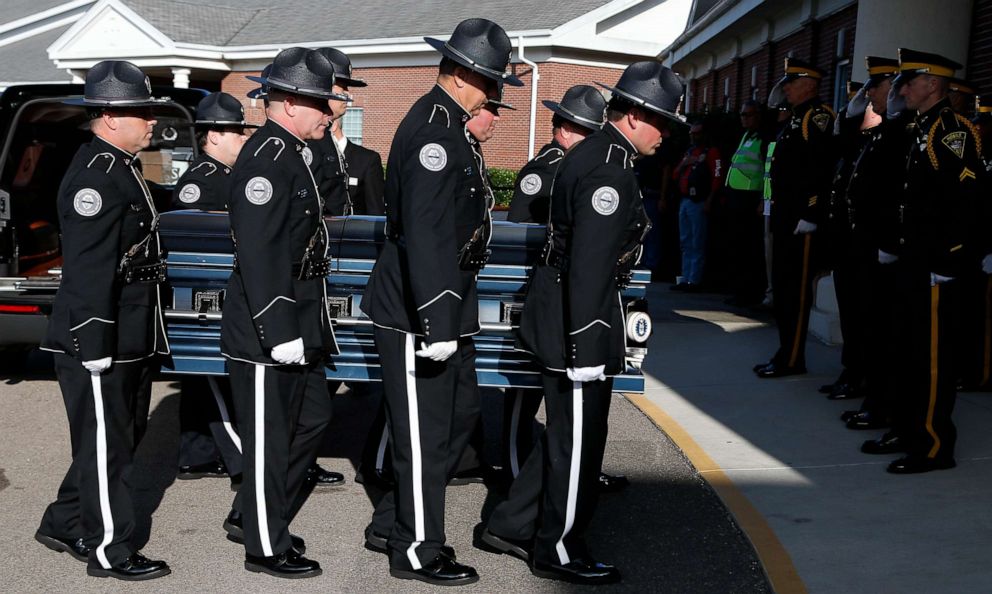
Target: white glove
(886,257)
(438,351)
(289,353)
(987,264)
(936,279)
(97,366)
(804,227)
(586,374)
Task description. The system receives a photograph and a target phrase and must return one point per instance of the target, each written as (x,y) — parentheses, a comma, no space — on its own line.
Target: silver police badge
(605,200)
(87,202)
(258,190)
(433,157)
(307,155)
(530,184)
(189,194)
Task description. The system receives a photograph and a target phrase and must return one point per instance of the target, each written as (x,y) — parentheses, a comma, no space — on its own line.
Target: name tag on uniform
(352,181)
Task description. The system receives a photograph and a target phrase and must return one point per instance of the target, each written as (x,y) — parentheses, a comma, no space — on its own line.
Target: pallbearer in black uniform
(276,330)
(939,204)
(801,170)
(209,445)
(978,337)
(106,325)
(422,297)
(573,323)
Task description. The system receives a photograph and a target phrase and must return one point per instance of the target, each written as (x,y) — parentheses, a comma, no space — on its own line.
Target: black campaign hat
(652,86)
(116,83)
(796,69)
(480,45)
(261,92)
(221,109)
(583,105)
(300,71)
(913,63)
(342,67)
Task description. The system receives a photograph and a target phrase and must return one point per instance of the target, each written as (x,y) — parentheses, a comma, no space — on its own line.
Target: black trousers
(520,406)
(746,245)
(432,408)
(887,343)
(793,273)
(283,412)
(555,495)
(931,368)
(108,415)
(975,340)
(207,428)
(855,282)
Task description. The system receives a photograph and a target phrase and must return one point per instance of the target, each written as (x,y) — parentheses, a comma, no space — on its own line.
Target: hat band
(493,71)
(304,90)
(120,101)
(924,68)
(222,122)
(638,101)
(803,72)
(572,114)
(882,70)
(985,109)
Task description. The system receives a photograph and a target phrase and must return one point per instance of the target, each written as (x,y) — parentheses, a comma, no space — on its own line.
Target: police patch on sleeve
(821,120)
(189,194)
(605,200)
(530,184)
(307,155)
(87,202)
(258,190)
(433,157)
(955,143)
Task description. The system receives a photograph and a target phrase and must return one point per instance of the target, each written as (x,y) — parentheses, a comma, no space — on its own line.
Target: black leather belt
(143,273)
(312,268)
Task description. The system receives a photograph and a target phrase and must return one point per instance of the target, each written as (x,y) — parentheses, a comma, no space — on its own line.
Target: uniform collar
(128,157)
(222,166)
(619,137)
(276,129)
(806,105)
(926,118)
(341,144)
(445,98)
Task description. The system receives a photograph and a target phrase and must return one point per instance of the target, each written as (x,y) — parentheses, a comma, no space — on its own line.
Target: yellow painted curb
(774,558)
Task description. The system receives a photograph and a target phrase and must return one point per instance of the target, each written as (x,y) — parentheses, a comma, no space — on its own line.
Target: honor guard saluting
(276,330)
(209,445)
(801,169)
(579,113)
(421,296)
(106,325)
(573,323)
(978,337)
(938,206)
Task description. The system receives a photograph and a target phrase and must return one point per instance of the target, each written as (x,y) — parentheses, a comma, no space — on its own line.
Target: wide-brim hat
(913,63)
(116,83)
(480,45)
(221,109)
(583,105)
(342,67)
(652,86)
(301,71)
(261,92)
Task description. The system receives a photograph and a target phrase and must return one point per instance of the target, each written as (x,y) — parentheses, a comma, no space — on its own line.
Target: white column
(78,76)
(180,78)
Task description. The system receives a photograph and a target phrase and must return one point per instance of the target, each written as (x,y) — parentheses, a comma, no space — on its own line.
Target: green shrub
(503,182)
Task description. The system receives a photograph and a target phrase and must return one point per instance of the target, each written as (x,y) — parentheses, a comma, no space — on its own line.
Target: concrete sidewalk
(847,524)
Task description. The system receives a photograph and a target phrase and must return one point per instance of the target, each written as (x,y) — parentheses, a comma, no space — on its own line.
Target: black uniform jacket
(206,185)
(331,173)
(944,174)
(275,216)
(365,179)
(105,211)
(532,196)
(802,167)
(435,202)
(574,317)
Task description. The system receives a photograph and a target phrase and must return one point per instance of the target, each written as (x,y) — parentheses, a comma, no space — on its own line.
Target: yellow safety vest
(745,168)
(768,170)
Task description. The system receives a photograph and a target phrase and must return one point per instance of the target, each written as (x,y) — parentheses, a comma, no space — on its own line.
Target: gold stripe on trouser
(807,239)
(987,350)
(934,343)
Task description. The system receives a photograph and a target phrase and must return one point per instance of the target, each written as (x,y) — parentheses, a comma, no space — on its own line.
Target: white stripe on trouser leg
(410,368)
(573,470)
(224,416)
(380,454)
(101,472)
(260,509)
(518,396)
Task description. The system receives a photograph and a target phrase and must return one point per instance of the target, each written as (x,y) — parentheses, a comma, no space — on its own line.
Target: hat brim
(575,119)
(675,117)
(275,83)
(231,124)
(500,105)
(504,77)
(119,104)
(904,77)
(344,81)
(260,92)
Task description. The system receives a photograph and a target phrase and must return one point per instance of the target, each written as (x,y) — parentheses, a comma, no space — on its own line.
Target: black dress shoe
(377,543)
(609,483)
(214,469)
(578,571)
(845,391)
(75,547)
(470,476)
(890,443)
(760,366)
(284,565)
(234,527)
(867,420)
(847,415)
(776,370)
(521,549)
(375,478)
(441,571)
(135,568)
(917,464)
(324,478)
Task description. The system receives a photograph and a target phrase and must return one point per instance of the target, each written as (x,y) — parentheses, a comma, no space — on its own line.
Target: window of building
(842,74)
(726,94)
(351,124)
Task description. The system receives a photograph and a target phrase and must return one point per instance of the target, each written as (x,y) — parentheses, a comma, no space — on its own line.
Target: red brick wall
(392,91)
(728,72)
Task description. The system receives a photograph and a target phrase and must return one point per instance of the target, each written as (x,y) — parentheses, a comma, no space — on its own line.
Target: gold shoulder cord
(933,131)
(806,118)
